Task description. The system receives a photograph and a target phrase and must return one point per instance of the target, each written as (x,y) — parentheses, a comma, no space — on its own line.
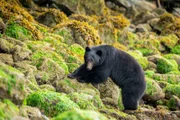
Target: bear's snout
(89,65)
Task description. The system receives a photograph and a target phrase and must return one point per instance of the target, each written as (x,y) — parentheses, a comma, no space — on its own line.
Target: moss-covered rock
(170,78)
(172,90)
(153,91)
(39,56)
(12,84)
(31,113)
(50,103)
(80,115)
(168,24)
(174,103)
(164,65)
(169,40)
(86,101)
(8,110)
(82,32)
(139,57)
(176,49)
(83,7)
(69,86)
(127,38)
(6,58)
(51,17)
(16,31)
(147,46)
(173,57)
(52,70)
(110,94)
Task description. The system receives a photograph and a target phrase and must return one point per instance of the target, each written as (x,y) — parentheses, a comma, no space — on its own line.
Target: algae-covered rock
(52,70)
(168,24)
(31,113)
(174,103)
(152,114)
(82,33)
(47,87)
(51,17)
(68,86)
(169,40)
(153,91)
(39,56)
(12,84)
(117,115)
(86,101)
(8,110)
(170,78)
(164,65)
(80,115)
(83,7)
(148,46)
(172,90)
(16,31)
(50,103)
(109,93)
(173,57)
(138,56)
(176,49)
(6,58)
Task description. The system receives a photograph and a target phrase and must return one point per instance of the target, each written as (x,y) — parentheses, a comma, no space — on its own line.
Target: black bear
(106,61)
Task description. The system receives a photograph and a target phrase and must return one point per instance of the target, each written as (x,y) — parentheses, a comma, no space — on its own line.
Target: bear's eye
(99,52)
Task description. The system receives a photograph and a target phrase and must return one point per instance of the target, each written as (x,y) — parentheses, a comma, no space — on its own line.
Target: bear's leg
(131,94)
(129,102)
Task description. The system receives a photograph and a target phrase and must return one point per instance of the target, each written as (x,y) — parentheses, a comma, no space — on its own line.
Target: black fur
(122,68)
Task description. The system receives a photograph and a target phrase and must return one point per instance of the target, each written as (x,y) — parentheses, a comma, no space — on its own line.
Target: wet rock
(145,114)
(118,115)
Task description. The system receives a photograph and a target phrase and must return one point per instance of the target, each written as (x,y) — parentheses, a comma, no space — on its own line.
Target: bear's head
(93,57)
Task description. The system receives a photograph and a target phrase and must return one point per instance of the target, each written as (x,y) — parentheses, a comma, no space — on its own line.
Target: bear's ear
(99,52)
(88,49)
